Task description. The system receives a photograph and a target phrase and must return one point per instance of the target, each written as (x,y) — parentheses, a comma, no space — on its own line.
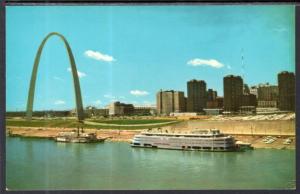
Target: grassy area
(42,123)
(73,123)
(133,121)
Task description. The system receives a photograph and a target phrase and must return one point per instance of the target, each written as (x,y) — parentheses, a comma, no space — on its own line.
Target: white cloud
(109,96)
(139,93)
(59,102)
(98,102)
(203,62)
(114,98)
(58,78)
(99,56)
(280,29)
(80,74)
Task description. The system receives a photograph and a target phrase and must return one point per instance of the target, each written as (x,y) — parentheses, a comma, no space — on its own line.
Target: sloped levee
(277,127)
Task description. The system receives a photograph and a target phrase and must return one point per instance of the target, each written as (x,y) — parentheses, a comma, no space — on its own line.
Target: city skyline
(132,62)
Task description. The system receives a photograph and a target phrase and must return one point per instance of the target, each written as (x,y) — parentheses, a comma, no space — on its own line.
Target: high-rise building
(253,90)
(196,98)
(179,101)
(267,92)
(220,101)
(233,93)
(246,89)
(211,95)
(267,96)
(211,99)
(170,101)
(286,89)
(249,100)
(185,104)
(215,95)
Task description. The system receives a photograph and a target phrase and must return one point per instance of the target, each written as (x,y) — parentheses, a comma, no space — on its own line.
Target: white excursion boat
(204,140)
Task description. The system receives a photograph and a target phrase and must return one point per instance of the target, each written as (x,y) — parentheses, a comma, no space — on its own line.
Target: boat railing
(182,135)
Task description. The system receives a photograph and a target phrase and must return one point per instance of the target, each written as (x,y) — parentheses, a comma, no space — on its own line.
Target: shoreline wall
(279,127)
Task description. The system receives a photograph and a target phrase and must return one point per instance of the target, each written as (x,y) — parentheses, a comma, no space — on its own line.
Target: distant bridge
(79,107)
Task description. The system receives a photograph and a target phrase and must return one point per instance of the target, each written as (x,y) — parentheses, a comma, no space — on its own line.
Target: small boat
(244,145)
(75,137)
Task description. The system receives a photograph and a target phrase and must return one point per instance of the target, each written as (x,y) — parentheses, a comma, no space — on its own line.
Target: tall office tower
(267,95)
(170,101)
(249,100)
(179,101)
(233,92)
(196,98)
(246,89)
(211,95)
(211,99)
(267,92)
(220,102)
(286,90)
(253,90)
(185,104)
(215,95)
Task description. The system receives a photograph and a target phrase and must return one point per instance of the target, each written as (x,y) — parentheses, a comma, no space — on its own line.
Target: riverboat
(74,137)
(204,140)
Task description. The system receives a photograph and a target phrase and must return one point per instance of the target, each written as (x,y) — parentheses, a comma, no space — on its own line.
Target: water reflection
(29,150)
(45,164)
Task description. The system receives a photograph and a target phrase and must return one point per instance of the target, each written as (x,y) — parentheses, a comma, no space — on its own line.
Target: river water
(44,164)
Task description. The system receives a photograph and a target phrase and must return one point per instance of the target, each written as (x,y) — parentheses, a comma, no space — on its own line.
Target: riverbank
(126,135)
(51,132)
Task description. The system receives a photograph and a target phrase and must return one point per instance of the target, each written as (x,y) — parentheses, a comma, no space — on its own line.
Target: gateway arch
(79,107)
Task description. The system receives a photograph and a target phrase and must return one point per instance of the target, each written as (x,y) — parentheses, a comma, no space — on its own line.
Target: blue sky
(128,53)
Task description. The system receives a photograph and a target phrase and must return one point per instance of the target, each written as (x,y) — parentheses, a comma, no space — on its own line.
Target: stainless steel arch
(30,99)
